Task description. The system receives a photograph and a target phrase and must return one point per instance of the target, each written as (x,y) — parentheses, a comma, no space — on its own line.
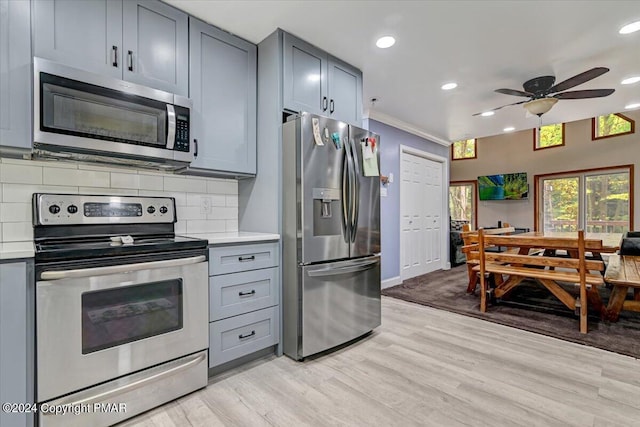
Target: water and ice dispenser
(327,212)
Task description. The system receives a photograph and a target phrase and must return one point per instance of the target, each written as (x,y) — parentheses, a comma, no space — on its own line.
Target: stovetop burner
(106,247)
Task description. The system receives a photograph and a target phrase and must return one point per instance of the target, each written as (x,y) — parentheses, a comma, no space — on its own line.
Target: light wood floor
(423,367)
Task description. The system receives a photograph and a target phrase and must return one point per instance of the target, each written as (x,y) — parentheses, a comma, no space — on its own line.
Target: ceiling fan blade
(578,79)
(582,94)
(508,105)
(514,92)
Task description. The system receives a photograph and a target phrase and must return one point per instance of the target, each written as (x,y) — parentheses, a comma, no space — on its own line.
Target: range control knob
(54,209)
(151,209)
(72,209)
(163,209)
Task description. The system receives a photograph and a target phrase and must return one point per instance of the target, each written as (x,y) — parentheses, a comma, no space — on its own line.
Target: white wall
(514,152)
(19,179)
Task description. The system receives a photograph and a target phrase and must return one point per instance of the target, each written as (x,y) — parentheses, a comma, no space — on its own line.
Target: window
(611,125)
(462,201)
(548,136)
(597,201)
(465,149)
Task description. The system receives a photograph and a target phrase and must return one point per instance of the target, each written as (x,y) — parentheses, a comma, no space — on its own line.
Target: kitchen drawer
(238,336)
(237,293)
(232,259)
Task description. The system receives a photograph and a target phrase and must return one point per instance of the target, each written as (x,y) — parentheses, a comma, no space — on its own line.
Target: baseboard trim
(387,283)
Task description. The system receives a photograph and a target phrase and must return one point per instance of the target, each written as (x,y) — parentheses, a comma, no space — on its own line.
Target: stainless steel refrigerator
(331,234)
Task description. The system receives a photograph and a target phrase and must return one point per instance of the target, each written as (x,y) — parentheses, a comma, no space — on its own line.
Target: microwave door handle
(171,130)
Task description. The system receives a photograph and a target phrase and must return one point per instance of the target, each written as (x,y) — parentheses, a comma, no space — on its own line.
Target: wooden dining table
(610,241)
(623,273)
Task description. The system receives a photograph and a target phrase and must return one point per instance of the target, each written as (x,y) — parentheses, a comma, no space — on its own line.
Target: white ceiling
(481,45)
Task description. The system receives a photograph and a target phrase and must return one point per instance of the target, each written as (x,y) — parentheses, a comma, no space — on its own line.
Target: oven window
(118,316)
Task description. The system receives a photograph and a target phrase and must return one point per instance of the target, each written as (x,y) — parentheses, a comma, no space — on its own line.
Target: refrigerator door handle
(350,201)
(356,191)
(329,271)
(346,198)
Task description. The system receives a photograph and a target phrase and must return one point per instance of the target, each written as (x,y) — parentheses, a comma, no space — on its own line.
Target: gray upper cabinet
(142,41)
(304,77)
(155,40)
(15,74)
(81,34)
(345,92)
(223,89)
(318,83)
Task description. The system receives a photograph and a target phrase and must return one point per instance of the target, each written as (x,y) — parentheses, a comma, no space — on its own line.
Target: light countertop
(235,237)
(15,250)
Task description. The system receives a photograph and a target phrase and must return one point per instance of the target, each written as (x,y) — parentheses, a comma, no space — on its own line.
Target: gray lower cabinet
(16,341)
(318,83)
(15,74)
(142,41)
(244,297)
(222,85)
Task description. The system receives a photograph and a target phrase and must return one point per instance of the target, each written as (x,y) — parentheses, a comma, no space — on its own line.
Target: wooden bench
(623,272)
(546,270)
(472,257)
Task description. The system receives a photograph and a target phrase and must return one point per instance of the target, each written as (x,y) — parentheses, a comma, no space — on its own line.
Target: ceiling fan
(543,94)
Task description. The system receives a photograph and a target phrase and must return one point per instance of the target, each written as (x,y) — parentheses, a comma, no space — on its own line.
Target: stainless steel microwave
(85,116)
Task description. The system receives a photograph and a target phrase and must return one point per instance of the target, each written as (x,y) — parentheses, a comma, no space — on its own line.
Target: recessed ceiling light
(631,80)
(385,42)
(632,106)
(488,113)
(449,86)
(630,28)
(509,129)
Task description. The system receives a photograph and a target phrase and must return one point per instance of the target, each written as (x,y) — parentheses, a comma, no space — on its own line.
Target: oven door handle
(116,269)
(101,397)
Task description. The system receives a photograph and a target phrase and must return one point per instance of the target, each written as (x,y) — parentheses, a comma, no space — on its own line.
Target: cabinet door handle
(244,294)
(195,147)
(114,50)
(331,109)
(130,60)
(241,337)
(246,258)
(324,103)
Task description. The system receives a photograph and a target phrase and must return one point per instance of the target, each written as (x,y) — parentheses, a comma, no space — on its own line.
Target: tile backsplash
(204,205)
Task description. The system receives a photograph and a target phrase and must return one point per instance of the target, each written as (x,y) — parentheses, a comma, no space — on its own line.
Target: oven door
(99,323)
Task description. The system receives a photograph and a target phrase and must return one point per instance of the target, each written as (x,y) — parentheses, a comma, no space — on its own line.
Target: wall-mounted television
(507,186)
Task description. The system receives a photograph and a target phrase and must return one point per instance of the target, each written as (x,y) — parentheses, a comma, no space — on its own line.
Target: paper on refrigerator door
(316,131)
(369,160)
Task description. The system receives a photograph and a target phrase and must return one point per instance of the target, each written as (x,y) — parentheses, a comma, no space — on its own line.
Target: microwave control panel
(182,129)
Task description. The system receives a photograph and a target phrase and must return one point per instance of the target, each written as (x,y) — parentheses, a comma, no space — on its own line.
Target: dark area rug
(529,307)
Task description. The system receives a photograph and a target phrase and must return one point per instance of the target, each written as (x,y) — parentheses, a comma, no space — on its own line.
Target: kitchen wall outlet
(383,192)
(205,205)
(390,177)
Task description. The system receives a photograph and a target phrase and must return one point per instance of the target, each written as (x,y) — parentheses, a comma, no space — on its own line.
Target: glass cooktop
(108,246)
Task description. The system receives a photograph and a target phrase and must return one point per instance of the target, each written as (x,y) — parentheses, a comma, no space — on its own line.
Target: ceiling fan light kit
(540,106)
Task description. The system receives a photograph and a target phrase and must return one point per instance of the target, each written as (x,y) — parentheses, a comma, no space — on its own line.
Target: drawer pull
(246,336)
(246,258)
(244,294)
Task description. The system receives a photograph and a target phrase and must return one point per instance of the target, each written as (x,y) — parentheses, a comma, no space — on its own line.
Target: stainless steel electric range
(121,308)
